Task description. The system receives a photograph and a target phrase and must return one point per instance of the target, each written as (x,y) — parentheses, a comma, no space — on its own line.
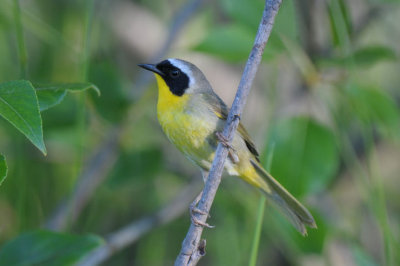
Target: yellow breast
(187,131)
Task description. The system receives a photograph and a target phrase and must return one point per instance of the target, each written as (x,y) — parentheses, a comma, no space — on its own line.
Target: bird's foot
(232,152)
(193,210)
(196,222)
(223,140)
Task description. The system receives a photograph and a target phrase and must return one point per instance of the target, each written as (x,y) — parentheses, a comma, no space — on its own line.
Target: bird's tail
(297,214)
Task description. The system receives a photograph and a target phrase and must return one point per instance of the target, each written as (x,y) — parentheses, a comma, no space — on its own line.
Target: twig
(132,232)
(101,162)
(190,253)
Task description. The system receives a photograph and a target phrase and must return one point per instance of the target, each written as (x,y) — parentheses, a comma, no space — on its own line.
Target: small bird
(192,116)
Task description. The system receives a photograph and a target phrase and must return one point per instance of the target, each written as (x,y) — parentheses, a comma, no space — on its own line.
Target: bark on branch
(192,247)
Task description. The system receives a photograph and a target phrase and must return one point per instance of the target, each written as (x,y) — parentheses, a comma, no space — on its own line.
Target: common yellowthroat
(191,114)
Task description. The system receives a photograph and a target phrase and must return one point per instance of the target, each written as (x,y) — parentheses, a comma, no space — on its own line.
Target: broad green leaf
(3,168)
(305,155)
(47,248)
(231,42)
(52,94)
(19,105)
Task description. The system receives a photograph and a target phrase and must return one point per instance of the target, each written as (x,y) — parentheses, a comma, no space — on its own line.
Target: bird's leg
(193,206)
(223,140)
(231,151)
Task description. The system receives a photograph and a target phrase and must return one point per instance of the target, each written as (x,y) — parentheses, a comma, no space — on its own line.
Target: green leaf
(3,168)
(50,95)
(19,105)
(368,56)
(47,248)
(230,42)
(305,157)
(50,98)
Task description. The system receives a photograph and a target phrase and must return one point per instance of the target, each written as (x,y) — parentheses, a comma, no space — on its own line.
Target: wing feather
(221,111)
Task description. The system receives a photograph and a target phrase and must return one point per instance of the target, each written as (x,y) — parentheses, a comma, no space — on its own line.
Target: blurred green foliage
(327,92)
(57,249)
(3,168)
(313,149)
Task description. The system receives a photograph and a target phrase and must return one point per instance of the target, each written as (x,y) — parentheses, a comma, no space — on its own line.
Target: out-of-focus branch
(131,233)
(192,248)
(101,162)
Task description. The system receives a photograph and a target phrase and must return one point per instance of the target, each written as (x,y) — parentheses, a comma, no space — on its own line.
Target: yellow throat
(168,103)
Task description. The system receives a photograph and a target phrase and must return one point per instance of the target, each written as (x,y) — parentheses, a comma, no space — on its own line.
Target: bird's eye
(174,73)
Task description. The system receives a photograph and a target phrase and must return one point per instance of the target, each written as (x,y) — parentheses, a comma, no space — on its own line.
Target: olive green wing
(221,111)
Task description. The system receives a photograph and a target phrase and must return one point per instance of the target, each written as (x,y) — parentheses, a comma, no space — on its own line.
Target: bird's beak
(151,68)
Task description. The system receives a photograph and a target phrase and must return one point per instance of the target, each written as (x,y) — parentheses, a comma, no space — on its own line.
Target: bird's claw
(193,209)
(196,222)
(223,140)
(232,151)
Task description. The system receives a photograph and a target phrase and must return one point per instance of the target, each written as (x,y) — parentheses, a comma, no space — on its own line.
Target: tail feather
(297,214)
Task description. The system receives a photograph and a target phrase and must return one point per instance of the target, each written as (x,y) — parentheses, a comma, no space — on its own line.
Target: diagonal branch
(192,248)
